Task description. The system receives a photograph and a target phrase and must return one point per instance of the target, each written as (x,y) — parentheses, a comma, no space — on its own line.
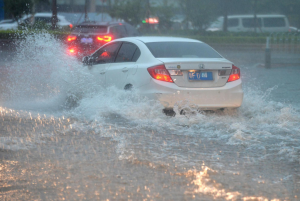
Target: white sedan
(8,24)
(38,17)
(174,71)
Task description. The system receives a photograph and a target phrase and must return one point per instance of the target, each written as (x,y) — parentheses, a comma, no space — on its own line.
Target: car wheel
(169,112)
(128,87)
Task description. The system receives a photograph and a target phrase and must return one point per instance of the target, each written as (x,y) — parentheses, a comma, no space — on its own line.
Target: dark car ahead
(89,36)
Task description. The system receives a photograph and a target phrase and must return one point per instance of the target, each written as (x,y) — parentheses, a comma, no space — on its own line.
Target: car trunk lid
(198,72)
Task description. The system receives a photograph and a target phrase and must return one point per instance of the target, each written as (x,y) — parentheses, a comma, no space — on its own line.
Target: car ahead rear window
(91,29)
(182,50)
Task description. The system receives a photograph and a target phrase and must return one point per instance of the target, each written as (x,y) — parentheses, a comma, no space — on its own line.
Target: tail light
(72,50)
(160,73)
(235,74)
(104,38)
(71,38)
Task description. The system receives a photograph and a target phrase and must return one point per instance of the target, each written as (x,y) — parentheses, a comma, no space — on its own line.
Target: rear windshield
(182,50)
(91,29)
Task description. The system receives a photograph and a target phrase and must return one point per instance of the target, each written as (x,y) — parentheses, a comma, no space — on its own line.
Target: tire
(169,112)
(128,87)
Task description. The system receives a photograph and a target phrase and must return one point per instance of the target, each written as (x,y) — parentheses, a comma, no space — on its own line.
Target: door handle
(125,70)
(103,72)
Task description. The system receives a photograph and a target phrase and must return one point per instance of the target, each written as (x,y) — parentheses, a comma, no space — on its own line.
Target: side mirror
(87,61)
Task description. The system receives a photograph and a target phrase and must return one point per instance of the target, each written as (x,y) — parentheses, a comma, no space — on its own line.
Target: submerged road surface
(64,138)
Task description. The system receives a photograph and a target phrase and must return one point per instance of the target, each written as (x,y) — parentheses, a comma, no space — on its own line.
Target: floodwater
(62,137)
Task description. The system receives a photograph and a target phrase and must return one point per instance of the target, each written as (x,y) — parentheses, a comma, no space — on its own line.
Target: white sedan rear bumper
(169,94)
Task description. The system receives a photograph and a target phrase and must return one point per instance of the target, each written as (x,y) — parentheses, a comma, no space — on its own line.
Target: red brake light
(104,38)
(71,38)
(72,51)
(235,74)
(160,73)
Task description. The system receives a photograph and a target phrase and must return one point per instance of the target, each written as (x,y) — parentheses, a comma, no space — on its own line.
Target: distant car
(31,20)
(171,70)
(45,18)
(246,23)
(89,36)
(8,24)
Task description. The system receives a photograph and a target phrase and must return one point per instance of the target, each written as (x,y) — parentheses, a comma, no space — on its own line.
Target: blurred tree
(290,8)
(17,8)
(54,19)
(164,14)
(132,11)
(199,12)
(39,5)
(230,7)
(225,14)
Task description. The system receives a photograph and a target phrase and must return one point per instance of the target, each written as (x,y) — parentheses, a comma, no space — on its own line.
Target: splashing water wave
(44,77)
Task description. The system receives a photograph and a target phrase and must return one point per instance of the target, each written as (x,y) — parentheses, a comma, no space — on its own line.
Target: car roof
(251,16)
(7,20)
(150,39)
(43,15)
(101,23)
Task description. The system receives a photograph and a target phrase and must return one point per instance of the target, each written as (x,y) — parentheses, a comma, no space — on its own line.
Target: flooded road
(65,138)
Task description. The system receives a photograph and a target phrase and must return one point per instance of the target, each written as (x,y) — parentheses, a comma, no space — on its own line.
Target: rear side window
(126,52)
(233,22)
(182,50)
(136,55)
(91,29)
(274,22)
(106,54)
(250,22)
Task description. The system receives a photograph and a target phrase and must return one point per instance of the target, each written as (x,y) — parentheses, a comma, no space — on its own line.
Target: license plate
(87,40)
(200,76)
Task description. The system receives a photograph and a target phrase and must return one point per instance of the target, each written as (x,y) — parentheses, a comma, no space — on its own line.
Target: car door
(124,64)
(101,60)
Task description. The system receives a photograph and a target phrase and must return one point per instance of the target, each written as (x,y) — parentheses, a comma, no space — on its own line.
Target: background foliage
(198,12)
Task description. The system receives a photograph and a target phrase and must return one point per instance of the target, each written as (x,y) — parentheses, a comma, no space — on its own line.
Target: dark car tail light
(160,73)
(71,38)
(104,38)
(235,74)
(72,51)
